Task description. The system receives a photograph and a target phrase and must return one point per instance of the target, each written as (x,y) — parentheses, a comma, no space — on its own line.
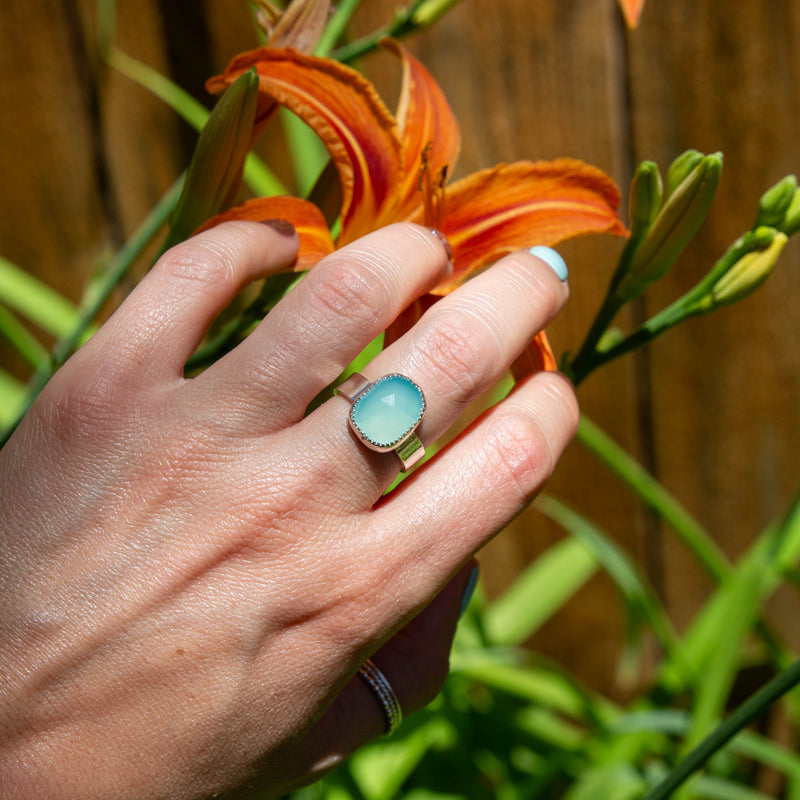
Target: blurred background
(712,409)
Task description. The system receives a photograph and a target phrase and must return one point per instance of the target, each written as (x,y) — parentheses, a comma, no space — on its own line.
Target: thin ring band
(385,694)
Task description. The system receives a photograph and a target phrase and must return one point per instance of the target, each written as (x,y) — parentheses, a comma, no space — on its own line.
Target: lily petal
(346,112)
(428,129)
(315,238)
(632,11)
(493,212)
(537,357)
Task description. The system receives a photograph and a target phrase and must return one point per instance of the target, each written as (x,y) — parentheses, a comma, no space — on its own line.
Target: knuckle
(520,450)
(203,263)
(454,355)
(345,289)
(81,404)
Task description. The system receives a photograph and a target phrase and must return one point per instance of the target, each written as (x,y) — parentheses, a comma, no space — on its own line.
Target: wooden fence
(713,408)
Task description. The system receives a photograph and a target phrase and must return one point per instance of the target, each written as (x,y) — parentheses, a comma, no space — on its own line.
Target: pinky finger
(479,483)
(415,662)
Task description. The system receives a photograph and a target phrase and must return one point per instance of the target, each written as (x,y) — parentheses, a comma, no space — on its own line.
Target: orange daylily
(632,11)
(393,167)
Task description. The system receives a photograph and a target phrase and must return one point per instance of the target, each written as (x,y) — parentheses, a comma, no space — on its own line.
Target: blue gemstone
(388,411)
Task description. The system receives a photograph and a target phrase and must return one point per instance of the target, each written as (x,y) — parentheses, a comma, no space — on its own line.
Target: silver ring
(383,691)
(386,413)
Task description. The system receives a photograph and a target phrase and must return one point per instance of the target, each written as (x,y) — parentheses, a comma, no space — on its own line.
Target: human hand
(192,570)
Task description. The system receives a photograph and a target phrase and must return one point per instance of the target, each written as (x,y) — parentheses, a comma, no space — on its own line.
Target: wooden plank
(726,388)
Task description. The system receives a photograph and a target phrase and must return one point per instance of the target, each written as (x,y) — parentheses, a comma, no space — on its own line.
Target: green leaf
(21,339)
(651,492)
(257,175)
(713,788)
(179,100)
(35,300)
(733,622)
(12,399)
(381,769)
(550,729)
(744,715)
(541,686)
(676,722)
(616,781)
(542,589)
(642,602)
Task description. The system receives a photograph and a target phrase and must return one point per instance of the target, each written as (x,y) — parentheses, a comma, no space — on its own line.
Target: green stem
(689,530)
(237,329)
(587,354)
(21,339)
(694,303)
(116,271)
(335,29)
(750,710)
(401,25)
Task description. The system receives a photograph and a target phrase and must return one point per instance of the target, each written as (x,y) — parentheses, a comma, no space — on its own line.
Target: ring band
(386,413)
(383,691)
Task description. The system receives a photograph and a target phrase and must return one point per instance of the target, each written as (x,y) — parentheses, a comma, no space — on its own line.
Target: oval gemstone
(388,411)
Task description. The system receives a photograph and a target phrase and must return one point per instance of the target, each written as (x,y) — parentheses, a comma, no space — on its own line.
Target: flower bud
(429,11)
(680,168)
(749,272)
(681,215)
(791,219)
(775,202)
(647,190)
(218,159)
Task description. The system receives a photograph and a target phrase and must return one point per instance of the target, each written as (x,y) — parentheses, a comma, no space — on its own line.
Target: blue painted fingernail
(469,589)
(552,259)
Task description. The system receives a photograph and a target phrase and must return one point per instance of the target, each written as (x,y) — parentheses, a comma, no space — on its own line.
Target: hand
(192,570)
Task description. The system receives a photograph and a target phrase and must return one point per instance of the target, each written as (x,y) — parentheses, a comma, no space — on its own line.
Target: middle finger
(306,341)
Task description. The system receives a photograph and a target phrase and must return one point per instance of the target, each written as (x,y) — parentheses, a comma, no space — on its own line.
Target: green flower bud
(428,12)
(683,212)
(749,272)
(775,202)
(218,159)
(791,219)
(647,190)
(611,338)
(680,168)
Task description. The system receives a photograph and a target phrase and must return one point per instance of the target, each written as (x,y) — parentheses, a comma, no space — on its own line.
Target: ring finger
(457,351)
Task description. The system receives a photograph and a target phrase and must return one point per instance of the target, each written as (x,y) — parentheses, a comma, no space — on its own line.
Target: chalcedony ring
(386,413)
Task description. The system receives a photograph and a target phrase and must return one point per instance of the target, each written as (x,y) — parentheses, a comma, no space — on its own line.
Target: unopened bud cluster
(664,220)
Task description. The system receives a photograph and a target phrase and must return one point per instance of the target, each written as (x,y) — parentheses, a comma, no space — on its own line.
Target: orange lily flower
(393,167)
(632,11)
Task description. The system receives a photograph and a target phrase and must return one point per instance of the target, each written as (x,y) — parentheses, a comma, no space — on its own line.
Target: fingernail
(448,249)
(552,259)
(469,589)
(280,226)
